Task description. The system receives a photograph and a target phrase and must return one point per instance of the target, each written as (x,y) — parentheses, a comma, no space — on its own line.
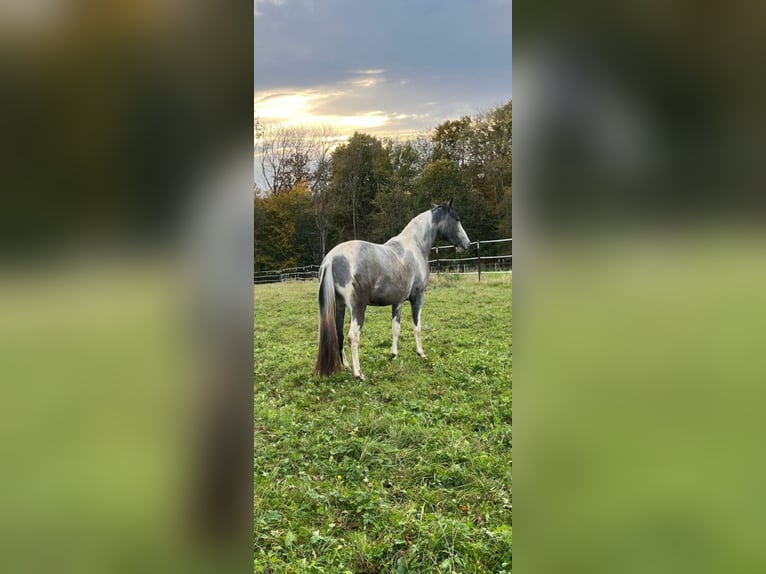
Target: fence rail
(488,263)
(290,274)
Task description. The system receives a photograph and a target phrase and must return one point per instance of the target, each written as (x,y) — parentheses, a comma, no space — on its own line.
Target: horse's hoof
(422,355)
(393,356)
(361,377)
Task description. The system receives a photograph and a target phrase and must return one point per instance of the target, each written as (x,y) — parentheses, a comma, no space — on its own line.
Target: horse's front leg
(417,305)
(396,327)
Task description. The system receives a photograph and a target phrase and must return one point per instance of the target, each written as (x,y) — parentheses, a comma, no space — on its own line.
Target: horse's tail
(328,357)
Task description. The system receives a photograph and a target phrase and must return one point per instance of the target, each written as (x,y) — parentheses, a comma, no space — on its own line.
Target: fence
(490,262)
(289,274)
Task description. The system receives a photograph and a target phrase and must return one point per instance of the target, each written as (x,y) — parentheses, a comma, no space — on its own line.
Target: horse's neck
(420,232)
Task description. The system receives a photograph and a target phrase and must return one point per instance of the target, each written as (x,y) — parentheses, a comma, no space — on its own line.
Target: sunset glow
(328,106)
(300,108)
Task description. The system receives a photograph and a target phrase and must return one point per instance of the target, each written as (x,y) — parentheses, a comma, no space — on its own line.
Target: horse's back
(375,273)
(358,252)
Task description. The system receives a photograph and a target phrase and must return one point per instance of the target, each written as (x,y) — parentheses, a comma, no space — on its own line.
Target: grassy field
(407,472)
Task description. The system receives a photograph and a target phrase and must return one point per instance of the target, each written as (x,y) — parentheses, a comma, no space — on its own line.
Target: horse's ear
(434,206)
(449,204)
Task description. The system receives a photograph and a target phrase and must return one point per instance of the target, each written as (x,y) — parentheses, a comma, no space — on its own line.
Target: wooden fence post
(478,258)
(438,266)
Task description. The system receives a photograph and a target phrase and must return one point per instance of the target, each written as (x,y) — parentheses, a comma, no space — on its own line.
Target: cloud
(298,42)
(318,107)
(383,67)
(282,107)
(256,12)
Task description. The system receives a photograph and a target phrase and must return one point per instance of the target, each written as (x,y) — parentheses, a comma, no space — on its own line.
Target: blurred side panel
(125,286)
(640,271)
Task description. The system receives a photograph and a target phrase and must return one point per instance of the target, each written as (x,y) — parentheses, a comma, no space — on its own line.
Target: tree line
(316,192)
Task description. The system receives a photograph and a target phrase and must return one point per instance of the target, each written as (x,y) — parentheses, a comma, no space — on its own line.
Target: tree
(443,180)
(452,141)
(505,213)
(481,150)
(325,203)
(360,169)
(491,156)
(259,224)
(394,203)
(423,145)
(287,156)
(286,236)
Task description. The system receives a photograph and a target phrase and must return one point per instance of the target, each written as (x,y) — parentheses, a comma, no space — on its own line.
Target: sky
(384,67)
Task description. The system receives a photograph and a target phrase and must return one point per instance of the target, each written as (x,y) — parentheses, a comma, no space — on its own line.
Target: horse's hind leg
(417,305)
(354,332)
(340,317)
(396,327)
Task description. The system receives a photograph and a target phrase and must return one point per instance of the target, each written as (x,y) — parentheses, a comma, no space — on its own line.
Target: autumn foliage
(316,193)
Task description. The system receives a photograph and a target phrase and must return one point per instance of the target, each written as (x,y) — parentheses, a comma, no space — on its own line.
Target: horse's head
(448,225)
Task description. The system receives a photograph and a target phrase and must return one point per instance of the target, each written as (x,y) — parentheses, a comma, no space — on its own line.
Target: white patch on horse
(418,340)
(395,328)
(354,333)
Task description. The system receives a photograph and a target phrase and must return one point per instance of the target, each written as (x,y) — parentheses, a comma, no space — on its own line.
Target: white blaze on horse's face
(463,242)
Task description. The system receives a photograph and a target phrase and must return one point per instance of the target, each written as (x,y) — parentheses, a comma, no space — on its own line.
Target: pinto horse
(356,274)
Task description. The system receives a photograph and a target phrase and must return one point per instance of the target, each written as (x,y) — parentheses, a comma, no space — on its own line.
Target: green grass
(406,472)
